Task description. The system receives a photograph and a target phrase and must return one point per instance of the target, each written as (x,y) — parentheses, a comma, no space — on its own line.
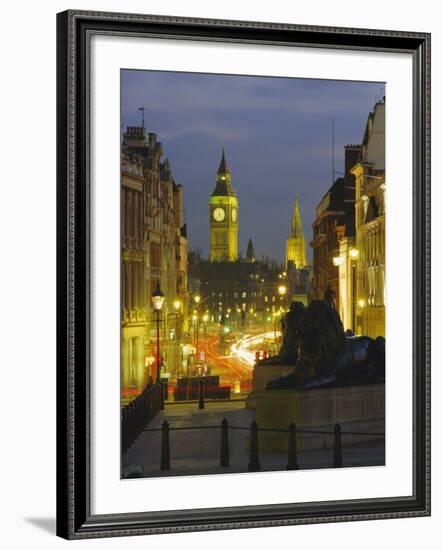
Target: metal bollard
(254,465)
(165,447)
(201,395)
(337,448)
(224,443)
(292,463)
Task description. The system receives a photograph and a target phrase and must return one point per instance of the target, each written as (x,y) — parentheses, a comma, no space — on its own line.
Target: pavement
(197,450)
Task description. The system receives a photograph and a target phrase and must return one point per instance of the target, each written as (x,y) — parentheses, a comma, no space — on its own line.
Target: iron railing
(139,412)
(254,464)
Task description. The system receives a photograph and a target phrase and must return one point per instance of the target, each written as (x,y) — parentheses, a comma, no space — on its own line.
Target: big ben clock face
(234,214)
(219,214)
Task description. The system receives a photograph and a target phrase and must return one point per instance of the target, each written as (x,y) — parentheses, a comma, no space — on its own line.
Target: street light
(354,255)
(205,319)
(282,291)
(197,299)
(177,306)
(157,302)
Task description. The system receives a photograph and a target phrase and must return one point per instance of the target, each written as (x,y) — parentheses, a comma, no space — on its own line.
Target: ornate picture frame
(75,519)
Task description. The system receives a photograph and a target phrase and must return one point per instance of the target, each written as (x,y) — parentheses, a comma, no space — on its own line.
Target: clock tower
(223,213)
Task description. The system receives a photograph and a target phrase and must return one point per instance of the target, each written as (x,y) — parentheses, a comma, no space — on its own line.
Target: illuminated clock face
(219,214)
(234,214)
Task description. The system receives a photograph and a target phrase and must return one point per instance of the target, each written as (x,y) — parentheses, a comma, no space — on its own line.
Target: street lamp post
(197,300)
(354,255)
(205,319)
(177,306)
(157,302)
(282,291)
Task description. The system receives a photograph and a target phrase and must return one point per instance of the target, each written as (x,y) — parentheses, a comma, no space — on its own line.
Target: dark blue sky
(277,137)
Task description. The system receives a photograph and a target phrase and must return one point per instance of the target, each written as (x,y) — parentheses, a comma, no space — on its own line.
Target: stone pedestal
(355,408)
(261,375)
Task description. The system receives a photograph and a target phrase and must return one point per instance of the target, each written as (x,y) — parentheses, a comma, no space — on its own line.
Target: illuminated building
(154,250)
(133,303)
(335,221)
(296,247)
(223,215)
(370,226)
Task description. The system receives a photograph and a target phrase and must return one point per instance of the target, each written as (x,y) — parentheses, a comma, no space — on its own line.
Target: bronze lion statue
(322,353)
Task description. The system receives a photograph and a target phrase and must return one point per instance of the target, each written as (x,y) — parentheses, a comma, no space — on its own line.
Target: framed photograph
(243,274)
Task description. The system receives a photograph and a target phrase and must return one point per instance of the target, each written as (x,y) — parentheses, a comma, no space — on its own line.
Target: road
(230,368)
(233,361)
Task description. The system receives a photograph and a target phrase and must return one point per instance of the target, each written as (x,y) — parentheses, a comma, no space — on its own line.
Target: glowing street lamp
(353,253)
(197,299)
(282,290)
(205,319)
(158,298)
(157,302)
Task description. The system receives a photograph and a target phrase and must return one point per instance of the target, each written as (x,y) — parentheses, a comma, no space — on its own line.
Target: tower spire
(296,229)
(223,179)
(296,250)
(223,164)
(250,254)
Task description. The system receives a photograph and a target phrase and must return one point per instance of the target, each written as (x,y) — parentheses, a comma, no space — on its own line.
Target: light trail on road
(234,362)
(241,349)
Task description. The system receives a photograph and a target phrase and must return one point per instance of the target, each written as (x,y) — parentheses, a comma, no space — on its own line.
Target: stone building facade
(370,226)
(334,224)
(154,251)
(133,303)
(328,228)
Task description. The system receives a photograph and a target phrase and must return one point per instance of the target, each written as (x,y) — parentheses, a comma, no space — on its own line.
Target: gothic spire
(296,229)
(223,165)
(223,180)
(250,254)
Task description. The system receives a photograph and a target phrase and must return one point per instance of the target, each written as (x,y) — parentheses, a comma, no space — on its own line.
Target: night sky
(277,137)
